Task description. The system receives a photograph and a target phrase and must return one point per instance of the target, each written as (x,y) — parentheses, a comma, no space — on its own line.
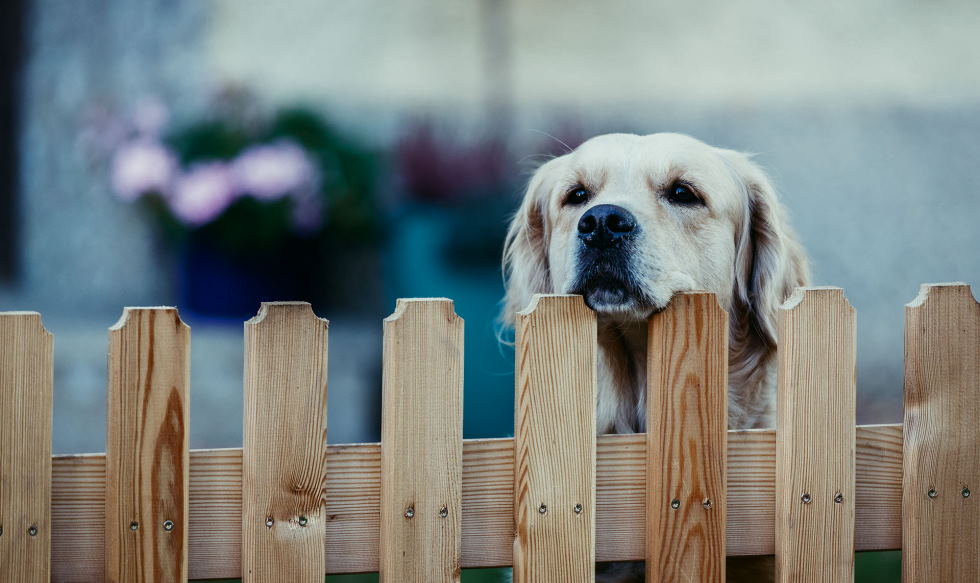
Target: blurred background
(212,154)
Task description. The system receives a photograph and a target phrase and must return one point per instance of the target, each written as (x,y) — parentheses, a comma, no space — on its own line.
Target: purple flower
(271,171)
(202,194)
(141,167)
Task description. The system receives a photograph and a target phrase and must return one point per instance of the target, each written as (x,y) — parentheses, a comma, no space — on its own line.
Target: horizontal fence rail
(424,503)
(353,493)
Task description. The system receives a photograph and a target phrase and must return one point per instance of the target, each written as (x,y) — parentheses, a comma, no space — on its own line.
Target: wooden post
(422,443)
(815,491)
(687,430)
(285,445)
(941,477)
(26,378)
(555,442)
(147,447)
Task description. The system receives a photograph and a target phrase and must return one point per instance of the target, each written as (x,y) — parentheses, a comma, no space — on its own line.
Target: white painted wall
(624,53)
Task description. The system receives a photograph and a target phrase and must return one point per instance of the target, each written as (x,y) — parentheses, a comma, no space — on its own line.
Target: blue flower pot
(214,284)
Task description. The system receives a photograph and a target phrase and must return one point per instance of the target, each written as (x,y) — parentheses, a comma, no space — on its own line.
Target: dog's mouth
(608,287)
(605,292)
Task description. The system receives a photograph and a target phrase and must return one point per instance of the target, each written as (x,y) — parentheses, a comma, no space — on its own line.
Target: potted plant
(256,207)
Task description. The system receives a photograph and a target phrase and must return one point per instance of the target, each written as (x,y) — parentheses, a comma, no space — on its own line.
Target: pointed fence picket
(147,455)
(815,446)
(941,522)
(26,379)
(421,443)
(284,453)
(687,416)
(554,442)
(551,501)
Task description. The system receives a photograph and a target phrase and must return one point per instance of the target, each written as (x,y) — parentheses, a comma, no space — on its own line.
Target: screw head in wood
(543,508)
(577,509)
(706,504)
(965,492)
(303,521)
(443,512)
(410,512)
(32,530)
(839,498)
(806,498)
(134,525)
(675,503)
(269,522)
(932,493)
(168,525)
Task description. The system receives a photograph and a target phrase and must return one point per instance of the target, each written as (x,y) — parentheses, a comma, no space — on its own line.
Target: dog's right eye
(577,195)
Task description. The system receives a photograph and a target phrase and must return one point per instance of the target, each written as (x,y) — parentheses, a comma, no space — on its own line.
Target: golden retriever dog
(628,221)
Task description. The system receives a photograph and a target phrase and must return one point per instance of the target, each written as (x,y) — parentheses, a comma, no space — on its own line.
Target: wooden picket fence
(552,501)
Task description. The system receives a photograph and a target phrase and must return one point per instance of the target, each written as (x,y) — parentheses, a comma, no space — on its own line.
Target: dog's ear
(769,264)
(525,262)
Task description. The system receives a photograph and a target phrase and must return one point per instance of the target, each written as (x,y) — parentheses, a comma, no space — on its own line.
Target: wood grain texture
(687,429)
(421,443)
(354,494)
(147,465)
(285,445)
(941,534)
(26,379)
(815,449)
(555,443)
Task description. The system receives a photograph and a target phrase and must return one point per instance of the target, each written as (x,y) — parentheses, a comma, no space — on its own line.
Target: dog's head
(628,221)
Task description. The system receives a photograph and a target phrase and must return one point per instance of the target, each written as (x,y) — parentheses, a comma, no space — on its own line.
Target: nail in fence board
(687,430)
(422,443)
(555,442)
(941,518)
(26,376)
(285,445)
(147,460)
(815,442)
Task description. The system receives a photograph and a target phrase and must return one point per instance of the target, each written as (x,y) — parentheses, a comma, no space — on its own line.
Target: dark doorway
(12,22)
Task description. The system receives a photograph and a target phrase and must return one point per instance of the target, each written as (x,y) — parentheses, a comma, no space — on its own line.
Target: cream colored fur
(739,246)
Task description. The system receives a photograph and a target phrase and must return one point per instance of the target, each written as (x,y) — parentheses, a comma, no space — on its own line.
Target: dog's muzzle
(607,234)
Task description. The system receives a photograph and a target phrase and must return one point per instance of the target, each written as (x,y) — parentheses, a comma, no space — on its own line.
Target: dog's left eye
(682,194)
(577,195)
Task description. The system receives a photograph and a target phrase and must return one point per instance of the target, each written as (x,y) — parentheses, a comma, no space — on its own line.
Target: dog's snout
(605,225)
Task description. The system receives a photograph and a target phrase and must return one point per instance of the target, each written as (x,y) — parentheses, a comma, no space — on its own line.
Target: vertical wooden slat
(687,433)
(422,443)
(284,456)
(941,477)
(554,442)
(147,447)
(26,377)
(815,413)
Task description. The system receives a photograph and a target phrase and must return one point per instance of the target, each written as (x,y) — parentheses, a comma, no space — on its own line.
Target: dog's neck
(622,377)
(621,406)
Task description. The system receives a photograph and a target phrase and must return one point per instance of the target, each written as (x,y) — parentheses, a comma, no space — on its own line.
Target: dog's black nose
(605,225)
